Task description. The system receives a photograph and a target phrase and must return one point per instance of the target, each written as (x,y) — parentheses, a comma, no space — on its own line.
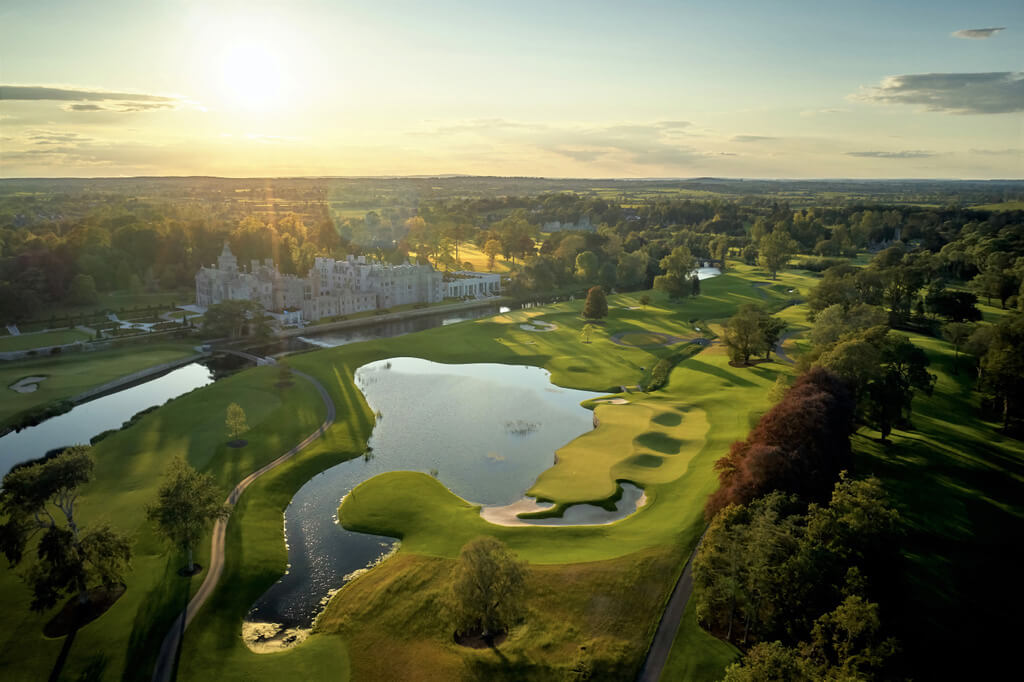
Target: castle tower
(227,262)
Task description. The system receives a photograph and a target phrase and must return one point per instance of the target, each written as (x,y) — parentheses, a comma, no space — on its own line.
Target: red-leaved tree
(799,446)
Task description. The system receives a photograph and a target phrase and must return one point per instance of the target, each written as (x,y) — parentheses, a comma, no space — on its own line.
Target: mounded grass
(628,444)
(574,614)
(55,338)
(68,375)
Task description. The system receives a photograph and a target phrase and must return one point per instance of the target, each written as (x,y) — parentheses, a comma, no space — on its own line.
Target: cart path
(166,662)
(665,635)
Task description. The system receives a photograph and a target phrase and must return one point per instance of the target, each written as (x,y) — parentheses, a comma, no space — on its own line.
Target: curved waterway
(110,411)
(485,430)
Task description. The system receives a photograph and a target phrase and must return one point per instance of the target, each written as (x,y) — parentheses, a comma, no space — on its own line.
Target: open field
(73,373)
(54,338)
(1001,206)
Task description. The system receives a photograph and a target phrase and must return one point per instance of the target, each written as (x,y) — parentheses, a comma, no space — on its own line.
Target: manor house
(333,287)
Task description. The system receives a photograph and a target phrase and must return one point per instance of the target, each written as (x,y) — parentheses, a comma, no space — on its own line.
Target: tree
(1002,364)
(744,334)
(772,329)
(69,557)
(492,248)
(487,589)
(957,333)
(677,266)
(631,270)
(695,285)
(775,250)
(644,300)
(596,305)
(234,319)
(83,290)
(588,329)
(586,266)
(235,422)
(719,247)
(187,503)
(956,306)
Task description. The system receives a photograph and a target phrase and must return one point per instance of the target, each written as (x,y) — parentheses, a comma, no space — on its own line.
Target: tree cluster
(751,331)
(794,581)
(799,446)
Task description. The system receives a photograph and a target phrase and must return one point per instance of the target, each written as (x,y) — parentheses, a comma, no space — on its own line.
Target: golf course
(595,593)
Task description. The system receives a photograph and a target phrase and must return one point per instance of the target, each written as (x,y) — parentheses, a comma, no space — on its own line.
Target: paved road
(166,662)
(665,635)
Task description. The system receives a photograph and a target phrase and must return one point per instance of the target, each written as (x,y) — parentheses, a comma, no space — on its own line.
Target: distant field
(1002,206)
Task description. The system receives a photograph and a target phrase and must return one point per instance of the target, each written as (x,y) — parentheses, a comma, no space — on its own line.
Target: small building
(466,284)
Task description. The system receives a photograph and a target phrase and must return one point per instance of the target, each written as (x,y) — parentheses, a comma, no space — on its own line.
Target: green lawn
(70,374)
(1001,206)
(123,643)
(41,339)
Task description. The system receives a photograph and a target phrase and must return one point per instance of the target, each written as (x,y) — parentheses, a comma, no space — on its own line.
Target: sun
(252,77)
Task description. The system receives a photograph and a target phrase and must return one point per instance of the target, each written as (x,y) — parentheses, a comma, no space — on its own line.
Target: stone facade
(332,287)
(473,284)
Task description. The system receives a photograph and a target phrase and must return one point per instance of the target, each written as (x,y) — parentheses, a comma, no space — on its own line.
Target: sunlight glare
(252,77)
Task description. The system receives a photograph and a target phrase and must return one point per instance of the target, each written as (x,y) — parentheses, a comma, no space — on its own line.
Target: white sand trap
(269,638)
(537,326)
(575,515)
(27,385)
(613,401)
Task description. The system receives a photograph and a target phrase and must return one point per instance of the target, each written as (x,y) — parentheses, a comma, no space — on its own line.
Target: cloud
(822,112)
(654,143)
(44,137)
(997,152)
(995,92)
(977,33)
(752,138)
(906,154)
(86,100)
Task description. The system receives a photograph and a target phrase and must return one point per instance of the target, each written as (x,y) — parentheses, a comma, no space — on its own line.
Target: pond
(485,430)
(107,412)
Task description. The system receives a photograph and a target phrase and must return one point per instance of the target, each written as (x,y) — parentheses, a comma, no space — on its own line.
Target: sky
(735,88)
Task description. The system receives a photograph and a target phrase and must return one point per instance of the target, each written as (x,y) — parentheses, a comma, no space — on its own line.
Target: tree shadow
(728,377)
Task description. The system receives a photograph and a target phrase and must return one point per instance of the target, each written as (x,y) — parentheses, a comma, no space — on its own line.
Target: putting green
(637,442)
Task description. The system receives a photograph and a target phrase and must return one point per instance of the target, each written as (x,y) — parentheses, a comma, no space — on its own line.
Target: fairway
(74,373)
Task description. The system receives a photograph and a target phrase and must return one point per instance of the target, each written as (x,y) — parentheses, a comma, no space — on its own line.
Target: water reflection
(485,430)
(107,412)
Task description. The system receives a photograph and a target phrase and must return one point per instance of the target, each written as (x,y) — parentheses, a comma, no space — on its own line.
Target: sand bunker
(613,401)
(576,515)
(538,326)
(269,638)
(27,385)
